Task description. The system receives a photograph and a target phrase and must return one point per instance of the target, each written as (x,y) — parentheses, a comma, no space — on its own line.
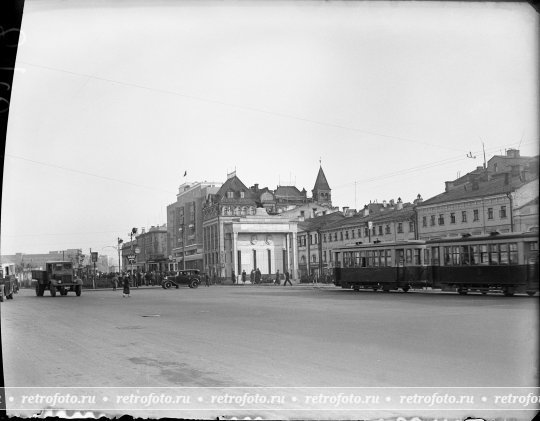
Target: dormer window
(230,194)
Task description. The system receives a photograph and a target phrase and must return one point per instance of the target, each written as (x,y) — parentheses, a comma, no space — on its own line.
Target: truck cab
(57,277)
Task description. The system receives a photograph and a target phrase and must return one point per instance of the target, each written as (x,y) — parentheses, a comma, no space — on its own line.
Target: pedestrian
(126,287)
(233,277)
(243,277)
(277,278)
(114,282)
(287,279)
(206,280)
(139,277)
(252,276)
(257,276)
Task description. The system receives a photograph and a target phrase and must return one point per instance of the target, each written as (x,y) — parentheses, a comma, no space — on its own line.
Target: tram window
(408,256)
(475,255)
(513,253)
(388,258)
(434,255)
(417,257)
(503,248)
(447,256)
(465,255)
(362,262)
(376,258)
(494,254)
(399,257)
(369,256)
(455,256)
(427,258)
(357,258)
(484,257)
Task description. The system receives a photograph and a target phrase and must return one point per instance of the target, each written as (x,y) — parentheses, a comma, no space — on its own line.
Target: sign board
(137,250)
(94,256)
(370,225)
(131,257)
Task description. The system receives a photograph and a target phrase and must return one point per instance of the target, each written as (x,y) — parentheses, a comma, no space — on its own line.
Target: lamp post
(131,234)
(182,230)
(120,241)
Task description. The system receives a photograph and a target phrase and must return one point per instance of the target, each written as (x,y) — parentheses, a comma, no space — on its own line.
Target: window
(490,213)
(463,216)
(374,230)
(324,238)
(359,233)
(416,257)
(230,194)
(424,221)
(341,235)
(411,226)
(513,254)
(475,215)
(400,227)
(380,230)
(432,220)
(242,194)
(324,256)
(452,218)
(330,237)
(502,212)
(441,219)
(302,214)
(366,232)
(352,233)
(387,229)
(408,256)
(494,254)
(335,236)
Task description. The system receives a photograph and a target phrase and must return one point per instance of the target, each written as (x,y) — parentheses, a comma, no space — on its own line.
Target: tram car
(382,266)
(506,263)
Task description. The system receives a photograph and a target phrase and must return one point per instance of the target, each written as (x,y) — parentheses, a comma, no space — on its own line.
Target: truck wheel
(38,289)
(405,289)
(167,285)
(509,291)
(462,291)
(78,290)
(63,291)
(53,291)
(531,293)
(10,296)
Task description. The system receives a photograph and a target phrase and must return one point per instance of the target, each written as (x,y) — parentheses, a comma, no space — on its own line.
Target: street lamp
(131,234)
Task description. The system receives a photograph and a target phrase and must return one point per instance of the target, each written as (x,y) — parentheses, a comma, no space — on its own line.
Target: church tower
(321,192)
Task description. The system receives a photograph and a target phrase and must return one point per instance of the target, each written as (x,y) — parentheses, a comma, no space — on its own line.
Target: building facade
(185,225)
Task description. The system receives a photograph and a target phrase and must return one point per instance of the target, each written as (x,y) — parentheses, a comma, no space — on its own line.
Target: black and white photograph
(252,210)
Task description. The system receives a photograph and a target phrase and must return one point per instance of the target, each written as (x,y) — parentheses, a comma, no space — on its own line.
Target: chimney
(384,203)
(512,153)
(391,202)
(345,209)
(448,186)
(399,204)
(143,230)
(418,199)
(366,210)
(255,188)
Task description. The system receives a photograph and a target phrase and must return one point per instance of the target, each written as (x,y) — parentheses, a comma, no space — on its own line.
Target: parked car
(189,277)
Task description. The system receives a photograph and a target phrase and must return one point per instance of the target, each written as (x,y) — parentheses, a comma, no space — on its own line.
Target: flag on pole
(185,173)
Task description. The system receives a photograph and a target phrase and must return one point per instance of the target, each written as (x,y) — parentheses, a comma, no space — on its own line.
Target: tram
(385,265)
(506,263)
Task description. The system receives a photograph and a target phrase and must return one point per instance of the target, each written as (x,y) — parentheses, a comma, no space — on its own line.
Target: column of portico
(294,263)
(235,253)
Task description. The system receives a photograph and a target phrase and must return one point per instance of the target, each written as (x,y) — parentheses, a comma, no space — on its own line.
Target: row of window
(464,215)
(354,233)
(383,257)
(482,254)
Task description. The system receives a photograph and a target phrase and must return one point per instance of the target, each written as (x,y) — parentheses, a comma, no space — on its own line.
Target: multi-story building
(498,198)
(184,225)
(152,248)
(387,221)
(239,234)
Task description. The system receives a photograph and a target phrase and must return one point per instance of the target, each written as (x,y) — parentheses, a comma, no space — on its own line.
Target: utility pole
(120,241)
(94,274)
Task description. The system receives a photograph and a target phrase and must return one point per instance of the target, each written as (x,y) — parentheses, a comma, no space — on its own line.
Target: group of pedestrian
(123,279)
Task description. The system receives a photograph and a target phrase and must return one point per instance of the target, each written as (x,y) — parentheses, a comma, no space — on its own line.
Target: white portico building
(261,241)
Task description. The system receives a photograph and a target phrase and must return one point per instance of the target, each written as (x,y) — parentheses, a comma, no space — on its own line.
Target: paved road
(226,336)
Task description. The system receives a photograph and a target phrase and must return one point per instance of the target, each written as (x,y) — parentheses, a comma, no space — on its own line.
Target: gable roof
(288,192)
(235,184)
(321,183)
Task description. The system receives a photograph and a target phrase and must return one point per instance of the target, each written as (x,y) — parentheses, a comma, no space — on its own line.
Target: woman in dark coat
(126,286)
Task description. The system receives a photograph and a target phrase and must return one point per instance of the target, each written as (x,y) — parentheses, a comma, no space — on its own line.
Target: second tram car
(506,263)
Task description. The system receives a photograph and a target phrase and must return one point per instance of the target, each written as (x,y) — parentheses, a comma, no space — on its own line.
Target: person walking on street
(114,282)
(277,281)
(287,279)
(243,277)
(206,280)
(126,286)
(252,276)
(233,277)
(257,276)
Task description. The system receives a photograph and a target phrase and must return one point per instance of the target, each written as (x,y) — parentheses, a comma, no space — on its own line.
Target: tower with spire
(322,193)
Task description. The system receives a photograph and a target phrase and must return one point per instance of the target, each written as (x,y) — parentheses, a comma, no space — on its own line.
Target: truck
(57,277)
(8,282)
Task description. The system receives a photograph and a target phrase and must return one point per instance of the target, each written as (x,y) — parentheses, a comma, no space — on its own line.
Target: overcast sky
(114,100)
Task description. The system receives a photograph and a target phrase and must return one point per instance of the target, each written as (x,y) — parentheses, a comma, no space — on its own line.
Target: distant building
(503,197)
(152,247)
(185,224)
